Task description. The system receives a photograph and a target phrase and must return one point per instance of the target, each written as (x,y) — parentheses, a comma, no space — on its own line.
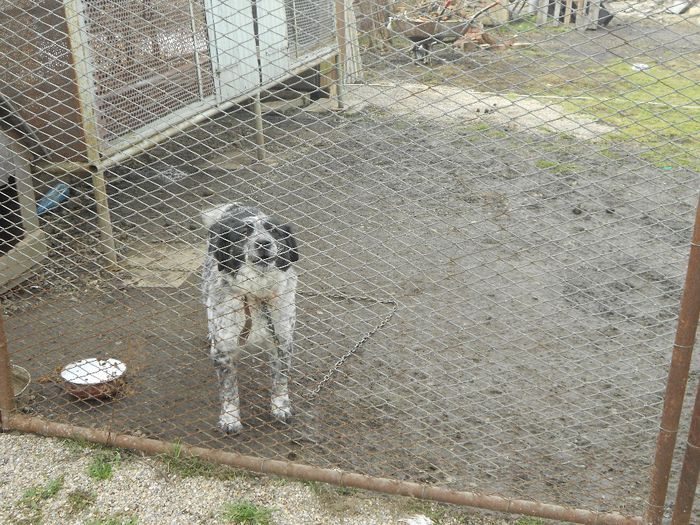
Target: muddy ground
(536,277)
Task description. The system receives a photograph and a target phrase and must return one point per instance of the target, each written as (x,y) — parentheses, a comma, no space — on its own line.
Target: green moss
(657,110)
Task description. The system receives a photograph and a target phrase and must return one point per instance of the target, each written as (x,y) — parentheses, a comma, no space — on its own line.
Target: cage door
(232,47)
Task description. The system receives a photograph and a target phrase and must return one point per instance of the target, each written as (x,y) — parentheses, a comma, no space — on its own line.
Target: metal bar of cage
(332,476)
(688,482)
(677,381)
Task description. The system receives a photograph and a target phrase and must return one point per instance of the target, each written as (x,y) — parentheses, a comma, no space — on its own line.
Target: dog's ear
(225,241)
(289,252)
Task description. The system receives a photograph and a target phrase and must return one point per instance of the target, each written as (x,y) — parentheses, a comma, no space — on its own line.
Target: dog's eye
(268,226)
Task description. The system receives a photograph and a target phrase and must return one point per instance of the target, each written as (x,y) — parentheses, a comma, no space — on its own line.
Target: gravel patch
(47,481)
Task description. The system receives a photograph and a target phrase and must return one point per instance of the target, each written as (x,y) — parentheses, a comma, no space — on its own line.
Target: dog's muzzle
(264,250)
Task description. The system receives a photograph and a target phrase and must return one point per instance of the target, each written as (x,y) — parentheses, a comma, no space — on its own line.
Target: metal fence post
(6,392)
(340,60)
(691,468)
(677,382)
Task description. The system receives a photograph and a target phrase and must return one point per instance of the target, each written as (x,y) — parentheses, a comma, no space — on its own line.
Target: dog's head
(243,235)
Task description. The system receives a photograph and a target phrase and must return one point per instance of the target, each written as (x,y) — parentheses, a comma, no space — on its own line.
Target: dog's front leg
(226,324)
(283,318)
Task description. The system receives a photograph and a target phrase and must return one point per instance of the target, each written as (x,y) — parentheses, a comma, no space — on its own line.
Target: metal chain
(343,297)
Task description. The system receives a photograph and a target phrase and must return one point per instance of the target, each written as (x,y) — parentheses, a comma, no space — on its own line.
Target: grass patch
(546,164)
(33,497)
(526,520)
(648,108)
(79,500)
(103,463)
(247,513)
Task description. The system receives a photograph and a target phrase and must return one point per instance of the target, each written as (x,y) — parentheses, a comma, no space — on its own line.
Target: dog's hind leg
(282,316)
(227,322)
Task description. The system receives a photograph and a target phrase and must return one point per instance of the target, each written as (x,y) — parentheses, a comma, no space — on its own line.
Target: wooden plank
(568,11)
(542,6)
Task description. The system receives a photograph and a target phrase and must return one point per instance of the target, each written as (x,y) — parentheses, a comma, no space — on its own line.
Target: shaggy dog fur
(249,287)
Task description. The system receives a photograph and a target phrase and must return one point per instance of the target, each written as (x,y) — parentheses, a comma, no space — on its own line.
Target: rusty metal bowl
(94,378)
(20,380)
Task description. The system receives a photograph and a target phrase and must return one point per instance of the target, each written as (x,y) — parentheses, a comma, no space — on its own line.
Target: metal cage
(93,77)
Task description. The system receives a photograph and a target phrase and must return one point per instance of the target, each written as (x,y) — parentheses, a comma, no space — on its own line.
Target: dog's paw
(230,424)
(281,409)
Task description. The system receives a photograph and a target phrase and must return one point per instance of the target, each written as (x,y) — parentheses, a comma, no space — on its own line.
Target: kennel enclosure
(95,77)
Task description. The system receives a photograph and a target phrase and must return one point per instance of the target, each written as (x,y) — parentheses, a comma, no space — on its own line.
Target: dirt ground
(536,277)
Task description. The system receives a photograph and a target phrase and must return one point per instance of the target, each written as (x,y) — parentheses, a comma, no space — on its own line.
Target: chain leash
(347,355)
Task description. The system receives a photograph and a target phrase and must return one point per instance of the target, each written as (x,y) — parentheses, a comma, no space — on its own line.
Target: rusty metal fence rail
(492,204)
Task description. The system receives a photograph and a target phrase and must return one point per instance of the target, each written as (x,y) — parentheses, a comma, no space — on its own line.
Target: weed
(102,465)
(325,489)
(247,513)
(526,520)
(187,467)
(78,445)
(33,497)
(79,500)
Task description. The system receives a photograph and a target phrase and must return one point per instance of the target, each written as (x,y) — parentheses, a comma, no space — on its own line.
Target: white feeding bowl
(94,378)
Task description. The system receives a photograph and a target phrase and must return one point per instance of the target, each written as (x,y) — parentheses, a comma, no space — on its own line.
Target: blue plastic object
(53,198)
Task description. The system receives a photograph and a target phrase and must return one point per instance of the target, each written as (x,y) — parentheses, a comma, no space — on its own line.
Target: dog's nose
(264,248)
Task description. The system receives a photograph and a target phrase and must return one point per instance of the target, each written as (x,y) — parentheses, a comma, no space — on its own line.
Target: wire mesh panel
(147,59)
(492,236)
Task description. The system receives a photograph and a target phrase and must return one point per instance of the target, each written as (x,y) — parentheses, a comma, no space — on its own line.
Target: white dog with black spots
(249,285)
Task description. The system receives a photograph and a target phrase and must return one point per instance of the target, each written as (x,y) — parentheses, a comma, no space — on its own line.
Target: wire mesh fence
(491,202)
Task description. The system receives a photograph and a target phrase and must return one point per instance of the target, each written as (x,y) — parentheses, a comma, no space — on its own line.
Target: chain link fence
(492,204)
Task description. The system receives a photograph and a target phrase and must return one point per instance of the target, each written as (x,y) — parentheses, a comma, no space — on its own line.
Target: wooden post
(6,392)
(341,57)
(568,11)
(104,221)
(259,134)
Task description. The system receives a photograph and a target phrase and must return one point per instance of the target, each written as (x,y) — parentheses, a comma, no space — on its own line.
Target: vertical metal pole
(691,468)
(259,135)
(6,392)
(341,57)
(104,222)
(677,381)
